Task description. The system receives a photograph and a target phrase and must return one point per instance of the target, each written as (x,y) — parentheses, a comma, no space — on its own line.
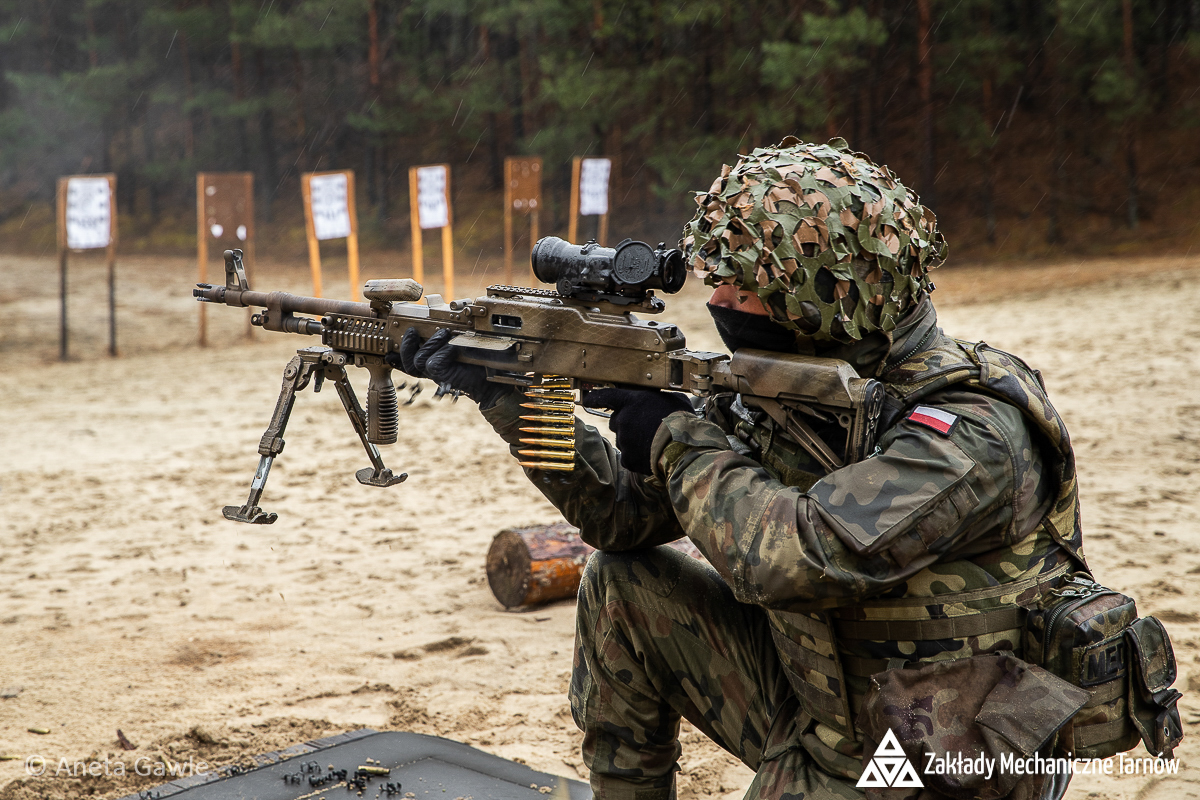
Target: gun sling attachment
(552,343)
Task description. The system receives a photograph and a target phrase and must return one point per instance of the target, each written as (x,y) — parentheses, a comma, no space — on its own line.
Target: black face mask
(740,329)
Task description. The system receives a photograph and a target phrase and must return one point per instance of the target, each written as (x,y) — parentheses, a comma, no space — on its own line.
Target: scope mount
(648,303)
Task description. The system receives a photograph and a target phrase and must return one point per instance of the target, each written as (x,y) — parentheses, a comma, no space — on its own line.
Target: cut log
(541,563)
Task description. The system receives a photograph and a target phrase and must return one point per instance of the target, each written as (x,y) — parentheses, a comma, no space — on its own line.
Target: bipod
(320,363)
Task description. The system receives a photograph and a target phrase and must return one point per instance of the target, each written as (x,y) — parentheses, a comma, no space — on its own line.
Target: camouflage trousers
(660,637)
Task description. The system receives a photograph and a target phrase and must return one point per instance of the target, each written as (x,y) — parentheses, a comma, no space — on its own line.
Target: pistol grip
(383,416)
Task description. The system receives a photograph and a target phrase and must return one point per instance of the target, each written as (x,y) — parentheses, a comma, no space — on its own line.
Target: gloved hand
(637,413)
(437,361)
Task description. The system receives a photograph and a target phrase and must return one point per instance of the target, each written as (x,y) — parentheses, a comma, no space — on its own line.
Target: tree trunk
(1129,132)
(371,156)
(925,90)
(298,76)
(266,131)
(93,58)
(989,163)
(239,94)
(495,165)
(1054,227)
(989,154)
(189,116)
(527,63)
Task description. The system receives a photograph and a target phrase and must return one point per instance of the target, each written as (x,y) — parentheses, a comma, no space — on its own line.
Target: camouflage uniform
(817,581)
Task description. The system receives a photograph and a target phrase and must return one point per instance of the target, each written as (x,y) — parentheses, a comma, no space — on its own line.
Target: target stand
(371,765)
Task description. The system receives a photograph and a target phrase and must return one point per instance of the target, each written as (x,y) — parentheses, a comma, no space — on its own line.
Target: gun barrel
(287,303)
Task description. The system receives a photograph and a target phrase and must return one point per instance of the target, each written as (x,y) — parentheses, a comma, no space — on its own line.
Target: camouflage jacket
(986,503)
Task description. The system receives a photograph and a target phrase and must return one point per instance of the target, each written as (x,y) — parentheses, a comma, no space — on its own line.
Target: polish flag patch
(941,421)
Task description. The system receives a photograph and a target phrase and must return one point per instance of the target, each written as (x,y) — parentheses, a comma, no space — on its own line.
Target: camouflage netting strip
(771,223)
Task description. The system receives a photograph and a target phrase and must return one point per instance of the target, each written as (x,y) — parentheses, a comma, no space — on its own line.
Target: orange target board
(522,195)
(224,218)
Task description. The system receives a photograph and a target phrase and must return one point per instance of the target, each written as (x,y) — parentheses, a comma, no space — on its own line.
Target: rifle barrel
(287,303)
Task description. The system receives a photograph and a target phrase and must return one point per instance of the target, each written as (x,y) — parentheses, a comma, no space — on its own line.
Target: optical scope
(621,274)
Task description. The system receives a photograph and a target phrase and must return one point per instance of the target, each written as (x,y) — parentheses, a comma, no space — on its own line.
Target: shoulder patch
(941,421)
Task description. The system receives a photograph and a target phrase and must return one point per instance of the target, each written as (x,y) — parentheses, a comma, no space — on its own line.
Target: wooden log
(541,563)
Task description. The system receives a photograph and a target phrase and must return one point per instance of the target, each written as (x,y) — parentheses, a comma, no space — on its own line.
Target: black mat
(429,767)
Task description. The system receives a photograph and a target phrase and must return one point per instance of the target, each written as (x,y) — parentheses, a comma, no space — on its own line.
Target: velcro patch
(941,421)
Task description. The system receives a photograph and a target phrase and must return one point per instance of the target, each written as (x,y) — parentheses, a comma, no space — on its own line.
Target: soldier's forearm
(613,508)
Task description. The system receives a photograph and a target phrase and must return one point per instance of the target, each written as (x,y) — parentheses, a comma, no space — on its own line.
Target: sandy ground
(127,602)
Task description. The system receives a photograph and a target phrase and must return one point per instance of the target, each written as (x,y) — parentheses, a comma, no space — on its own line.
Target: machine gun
(582,334)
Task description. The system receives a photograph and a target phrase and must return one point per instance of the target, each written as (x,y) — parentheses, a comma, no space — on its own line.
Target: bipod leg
(296,376)
(377,474)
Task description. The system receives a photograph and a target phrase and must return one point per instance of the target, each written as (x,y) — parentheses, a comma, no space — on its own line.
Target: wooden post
(61,212)
(508,222)
(573,224)
(437,213)
(448,246)
(578,170)
(314,250)
(541,563)
(533,237)
(352,240)
(88,238)
(224,214)
(329,213)
(522,192)
(418,247)
(110,256)
(249,262)
(201,255)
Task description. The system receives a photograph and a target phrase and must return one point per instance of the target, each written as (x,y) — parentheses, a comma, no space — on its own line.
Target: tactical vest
(829,656)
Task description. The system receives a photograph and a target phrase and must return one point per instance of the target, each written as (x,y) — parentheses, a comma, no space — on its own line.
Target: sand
(127,602)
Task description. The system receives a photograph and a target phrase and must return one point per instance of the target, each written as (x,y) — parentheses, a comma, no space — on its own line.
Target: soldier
(917,555)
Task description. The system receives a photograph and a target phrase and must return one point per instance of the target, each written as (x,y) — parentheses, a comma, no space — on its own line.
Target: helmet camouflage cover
(831,242)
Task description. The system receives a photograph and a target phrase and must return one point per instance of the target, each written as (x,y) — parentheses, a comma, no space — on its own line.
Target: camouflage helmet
(831,242)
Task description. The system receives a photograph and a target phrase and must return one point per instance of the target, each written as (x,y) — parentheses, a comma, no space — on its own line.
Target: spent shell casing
(375,770)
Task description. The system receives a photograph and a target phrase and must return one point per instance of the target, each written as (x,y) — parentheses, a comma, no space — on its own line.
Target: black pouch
(1091,637)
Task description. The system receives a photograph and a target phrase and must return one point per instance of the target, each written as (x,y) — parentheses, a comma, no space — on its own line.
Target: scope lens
(547,258)
(674,272)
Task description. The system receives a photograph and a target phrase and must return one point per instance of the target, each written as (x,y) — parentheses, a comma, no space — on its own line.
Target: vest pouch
(967,713)
(1084,633)
(1152,671)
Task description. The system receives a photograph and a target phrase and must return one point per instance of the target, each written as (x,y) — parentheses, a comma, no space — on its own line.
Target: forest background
(1032,127)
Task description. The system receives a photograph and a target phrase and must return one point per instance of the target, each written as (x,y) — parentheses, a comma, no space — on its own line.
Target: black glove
(437,361)
(637,413)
